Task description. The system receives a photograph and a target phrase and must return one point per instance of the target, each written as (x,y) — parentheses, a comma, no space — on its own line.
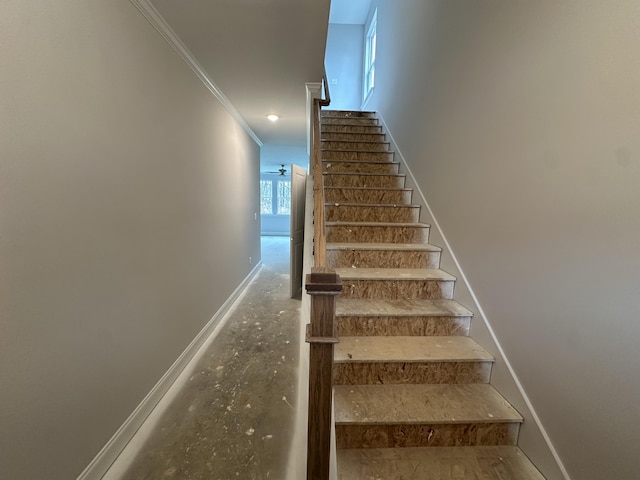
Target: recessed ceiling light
(273,117)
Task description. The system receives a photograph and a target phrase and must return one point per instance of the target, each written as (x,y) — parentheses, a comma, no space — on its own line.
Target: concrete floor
(233,413)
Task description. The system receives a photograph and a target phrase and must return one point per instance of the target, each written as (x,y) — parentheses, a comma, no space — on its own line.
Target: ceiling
(259,53)
(352,12)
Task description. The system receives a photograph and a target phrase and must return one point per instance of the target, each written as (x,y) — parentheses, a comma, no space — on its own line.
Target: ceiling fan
(282,171)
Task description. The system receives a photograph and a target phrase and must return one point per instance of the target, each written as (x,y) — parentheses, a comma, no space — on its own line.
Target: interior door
(298,198)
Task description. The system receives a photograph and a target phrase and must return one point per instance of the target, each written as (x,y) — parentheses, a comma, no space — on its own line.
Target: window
(275,197)
(370,56)
(266,197)
(284,197)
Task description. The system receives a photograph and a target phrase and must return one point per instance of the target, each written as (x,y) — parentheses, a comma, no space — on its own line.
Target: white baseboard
(478,307)
(117,443)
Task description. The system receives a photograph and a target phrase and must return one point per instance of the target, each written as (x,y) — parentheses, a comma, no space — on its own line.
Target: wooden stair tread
(504,462)
(402,189)
(380,195)
(351,150)
(376,142)
(370,136)
(409,349)
(330,126)
(361,162)
(351,146)
(347,137)
(331,112)
(394,274)
(403,307)
(406,247)
(355,121)
(377,224)
(421,404)
(364,174)
(369,205)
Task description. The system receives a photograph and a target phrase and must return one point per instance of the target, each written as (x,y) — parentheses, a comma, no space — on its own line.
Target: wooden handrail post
(323,285)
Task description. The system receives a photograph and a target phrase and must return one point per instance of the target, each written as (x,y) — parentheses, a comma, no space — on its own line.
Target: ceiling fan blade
(282,171)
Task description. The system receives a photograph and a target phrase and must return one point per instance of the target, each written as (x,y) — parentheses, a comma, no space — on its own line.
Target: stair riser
(373,181)
(420,435)
(374,373)
(391,214)
(382,234)
(353,137)
(348,121)
(402,326)
(356,146)
(382,259)
(347,114)
(397,289)
(357,156)
(351,129)
(369,195)
(339,166)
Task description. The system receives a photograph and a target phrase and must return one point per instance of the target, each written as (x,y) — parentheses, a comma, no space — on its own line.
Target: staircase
(412,392)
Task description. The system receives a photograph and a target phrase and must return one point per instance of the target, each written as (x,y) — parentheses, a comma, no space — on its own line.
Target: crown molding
(159,23)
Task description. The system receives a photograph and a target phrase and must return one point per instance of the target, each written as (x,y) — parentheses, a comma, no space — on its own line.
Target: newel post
(323,285)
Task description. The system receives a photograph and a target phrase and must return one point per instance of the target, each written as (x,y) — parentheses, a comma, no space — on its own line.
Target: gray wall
(520,121)
(120,232)
(274,155)
(275,225)
(343,62)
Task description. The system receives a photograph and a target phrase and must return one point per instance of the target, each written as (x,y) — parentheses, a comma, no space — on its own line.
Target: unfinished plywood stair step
(396,283)
(359,121)
(336,212)
(355,156)
(401,317)
(345,136)
(349,122)
(413,398)
(377,232)
(374,180)
(348,166)
(364,195)
(404,360)
(407,415)
(504,462)
(348,114)
(383,255)
(356,145)
(351,128)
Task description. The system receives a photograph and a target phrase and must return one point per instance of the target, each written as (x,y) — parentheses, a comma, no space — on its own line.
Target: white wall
(272,156)
(343,63)
(120,232)
(520,121)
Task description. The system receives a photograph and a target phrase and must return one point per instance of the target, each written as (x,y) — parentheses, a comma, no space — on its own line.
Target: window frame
(370,44)
(266,186)
(283,204)
(277,207)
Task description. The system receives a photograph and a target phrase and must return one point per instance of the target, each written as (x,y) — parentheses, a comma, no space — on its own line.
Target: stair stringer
(533,439)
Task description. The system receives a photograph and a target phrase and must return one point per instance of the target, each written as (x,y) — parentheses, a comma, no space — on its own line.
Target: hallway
(231,414)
